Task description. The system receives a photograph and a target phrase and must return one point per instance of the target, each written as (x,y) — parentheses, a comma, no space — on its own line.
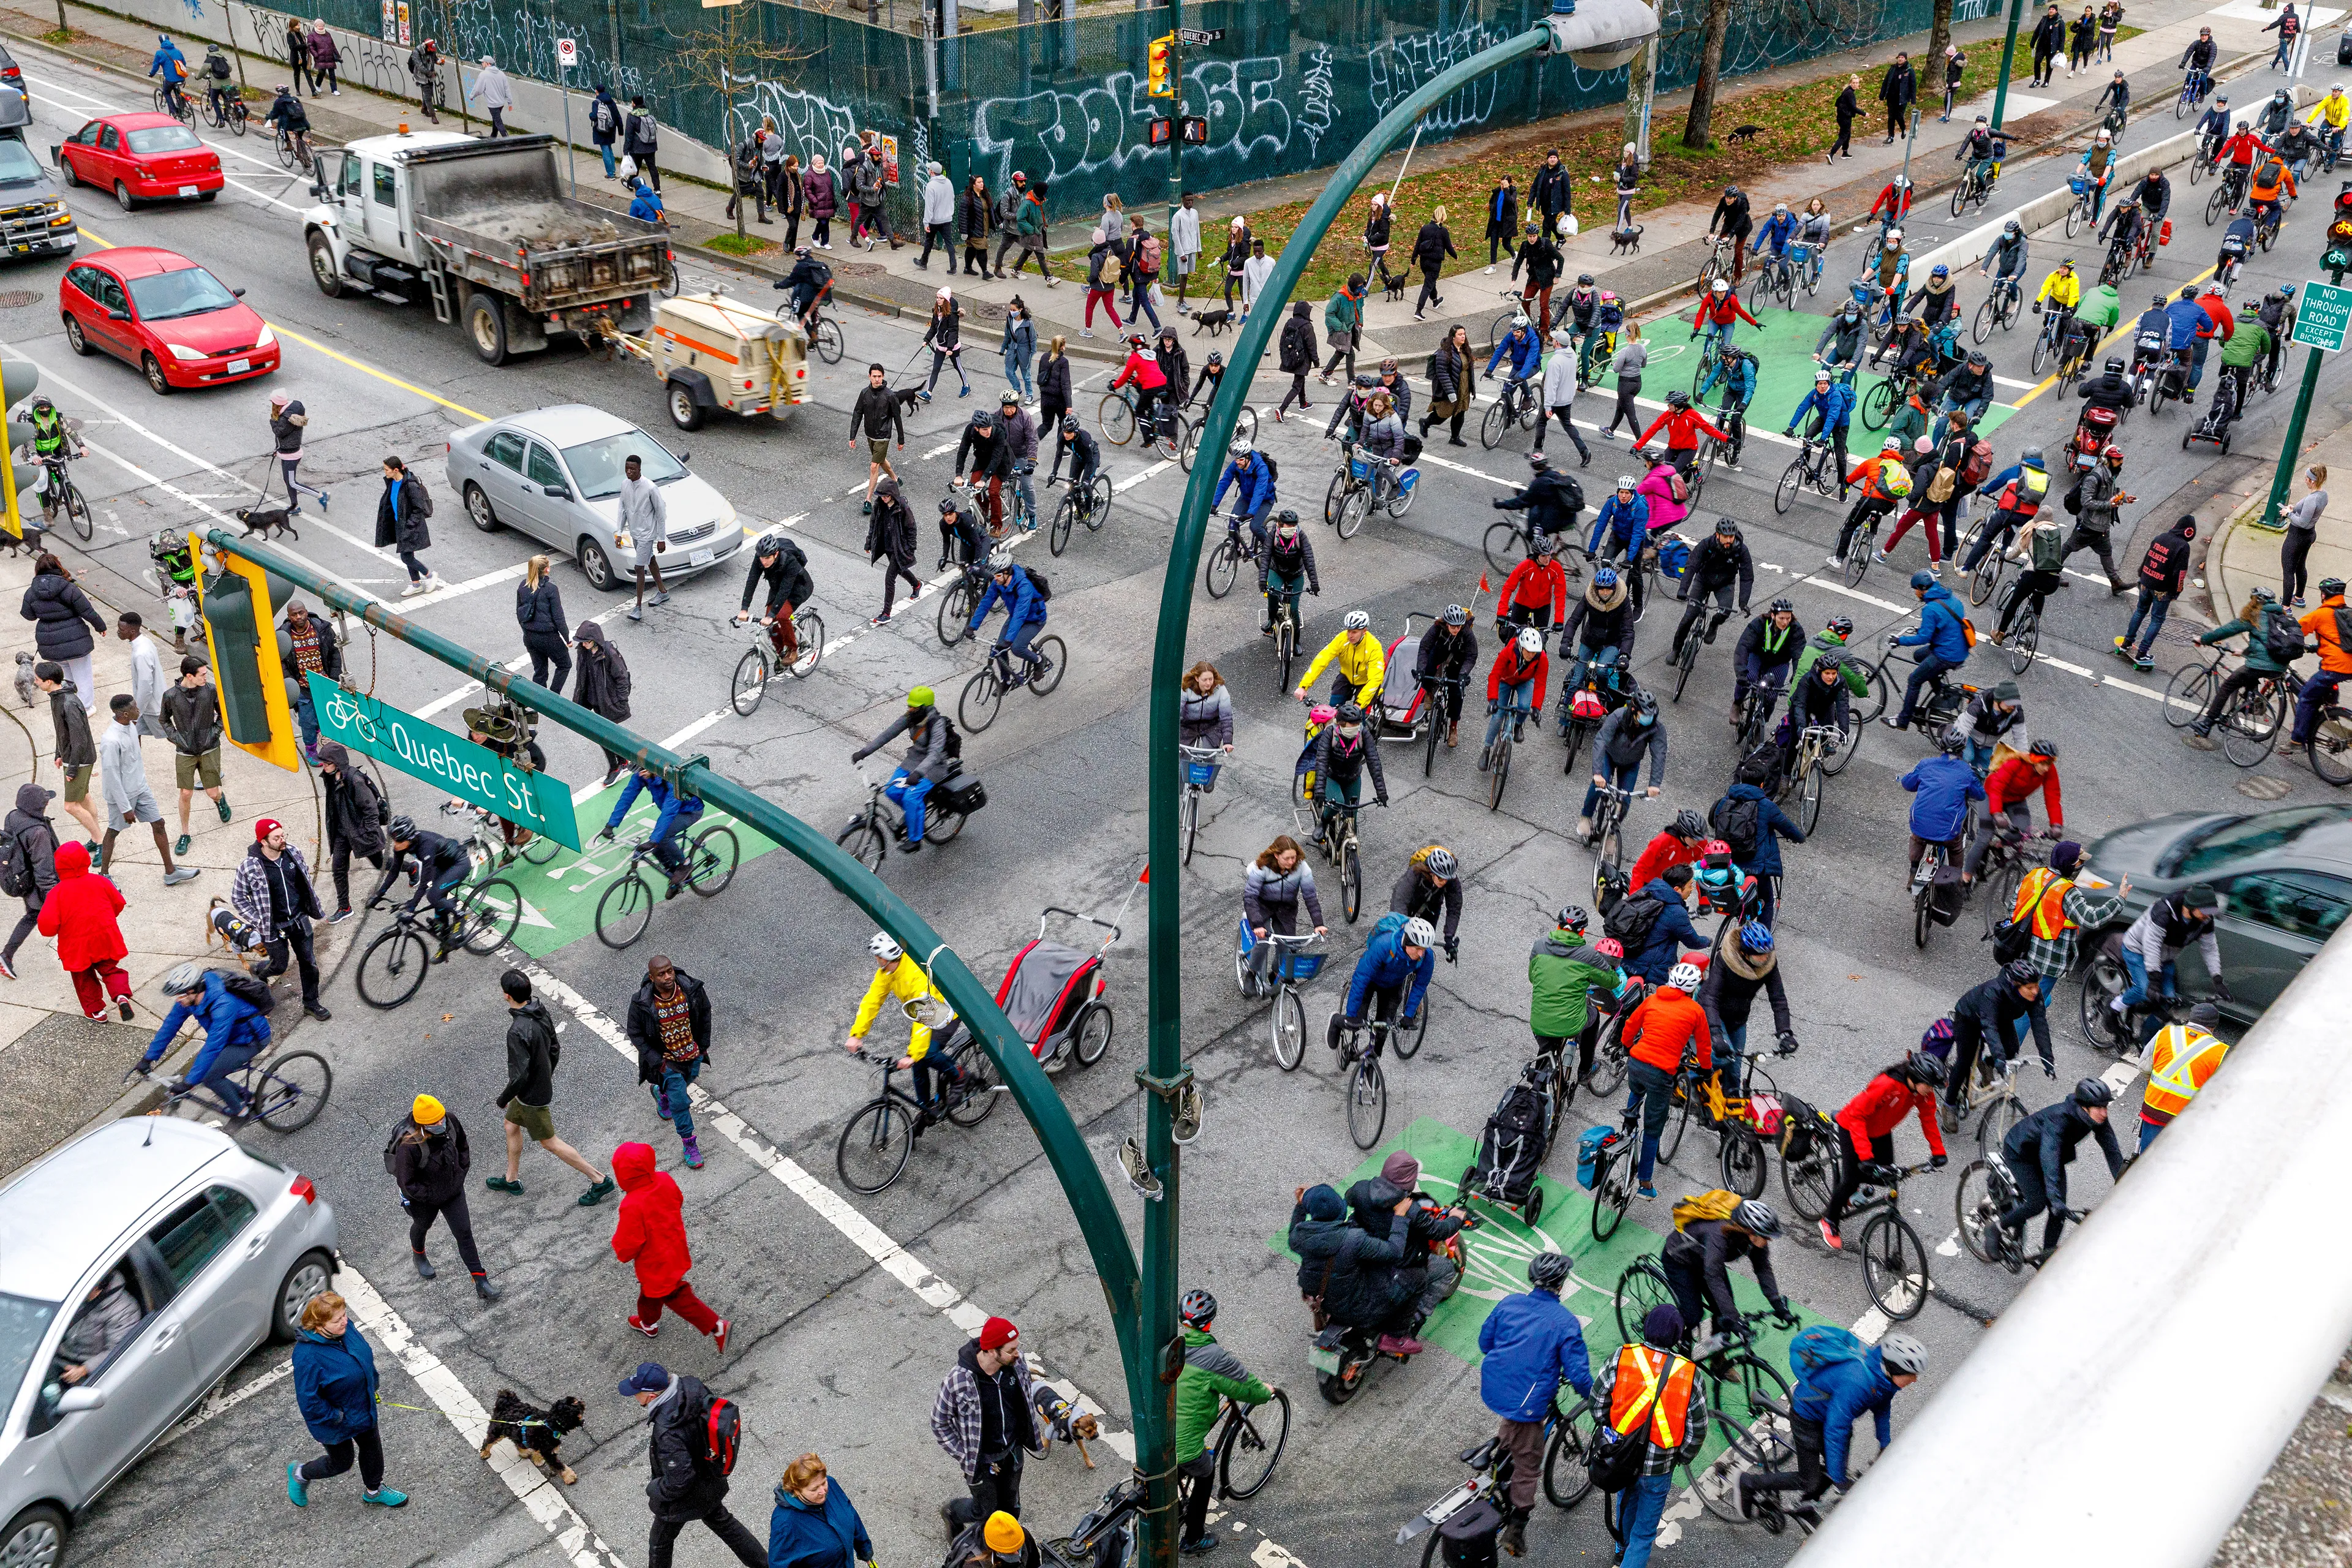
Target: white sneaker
(1490,272)
(413,589)
(1584,827)
(1833,559)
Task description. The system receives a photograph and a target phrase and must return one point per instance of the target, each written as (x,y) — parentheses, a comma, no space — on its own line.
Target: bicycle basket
(1360,468)
(1202,775)
(2077,184)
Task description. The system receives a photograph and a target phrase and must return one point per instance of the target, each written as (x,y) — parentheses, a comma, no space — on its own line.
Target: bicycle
(2193,87)
(765,657)
(983,694)
(1088,503)
(1200,765)
(61,494)
(2000,309)
(1361,485)
(1717,265)
(1115,416)
(226,111)
(487,844)
(283,1093)
(1367,1087)
(170,99)
(1440,695)
(1608,841)
(1336,838)
(1740,1142)
(1691,639)
(1227,556)
(2207,161)
(958,600)
(1822,752)
(1774,279)
(1879,403)
(1974,185)
(1497,755)
(1934,858)
(1894,1259)
(1744,1391)
(1992,1088)
(1511,539)
(1245,430)
(627,907)
(1616,1167)
(394,962)
(1711,359)
(1516,406)
(1568,1438)
(825,334)
(2266,225)
(1756,707)
(1988,573)
(1515,305)
(2009,856)
(1607,1073)
(1986,1189)
(2046,340)
(2227,194)
(871,832)
(1255,1435)
(1814,466)
(876,1143)
(293,148)
(1292,968)
(1282,614)
(2078,212)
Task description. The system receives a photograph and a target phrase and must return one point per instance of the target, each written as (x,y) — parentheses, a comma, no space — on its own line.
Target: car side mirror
(239,293)
(118,315)
(317,192)
(81,1397)
(556,492)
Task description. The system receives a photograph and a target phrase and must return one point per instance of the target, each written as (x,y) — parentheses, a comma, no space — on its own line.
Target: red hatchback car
(140,157)
(165,314)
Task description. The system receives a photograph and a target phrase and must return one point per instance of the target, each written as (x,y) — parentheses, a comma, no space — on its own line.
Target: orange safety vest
(1655,1384)
(2180,1059)
(2043,891)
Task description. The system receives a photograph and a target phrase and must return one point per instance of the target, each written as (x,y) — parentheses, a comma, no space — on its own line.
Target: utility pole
(2008,53)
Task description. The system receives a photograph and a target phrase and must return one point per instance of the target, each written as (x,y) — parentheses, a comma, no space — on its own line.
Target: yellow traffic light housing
(1163,67)
(241,633)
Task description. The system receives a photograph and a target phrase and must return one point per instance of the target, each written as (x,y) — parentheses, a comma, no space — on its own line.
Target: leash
(453,1415)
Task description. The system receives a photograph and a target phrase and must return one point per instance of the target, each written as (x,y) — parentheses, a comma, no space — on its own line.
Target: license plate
(699,557)
(19,250)
(1325,1361)
(187,190)
(236,365)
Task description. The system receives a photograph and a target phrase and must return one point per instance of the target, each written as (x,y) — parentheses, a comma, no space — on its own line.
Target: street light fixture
(1600,35)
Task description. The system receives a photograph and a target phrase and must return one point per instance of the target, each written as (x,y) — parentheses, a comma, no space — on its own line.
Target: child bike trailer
(1512,1148)
(1055,996)
(1402,697)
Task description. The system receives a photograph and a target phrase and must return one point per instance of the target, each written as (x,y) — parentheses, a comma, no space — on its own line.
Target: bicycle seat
(1479,1458)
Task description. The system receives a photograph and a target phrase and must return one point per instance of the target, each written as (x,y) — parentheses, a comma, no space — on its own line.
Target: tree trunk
(1710,65)
(1938,39)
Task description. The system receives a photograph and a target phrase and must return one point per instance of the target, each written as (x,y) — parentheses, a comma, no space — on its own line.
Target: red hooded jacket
(80,913)
(1869,1117)
(2009,783)
(651,1229)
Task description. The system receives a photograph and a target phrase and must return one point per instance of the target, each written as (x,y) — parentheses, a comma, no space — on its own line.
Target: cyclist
(1144,372)
(1733,220)
(2277,114)
(2117,93)
(1941,638)
(2041,549)
(931,752)
(1891,204)
(900,978)
(2152,948)
(1532,1344)
(1889,271)
(1993,1015)
(1885,481)
(2055,909)
(1743,962)
(1584,305)
(1649,1390)
(1666,1027)
(1737,369)
(2241,151)
(2009,791)
(1983,148)
(2334,662)
(1835,633)
(2237,243)
(1349,410)
(1819,693)
(1212,1375)
(1011,584)
(1448,653)
(1534,596)
(1570,982)
(1079,445)
(2299,146)
(2272,184)
(2122,231)
(1939,301)
(1601,623)
(1754,835)
(2329,116)
(2039,1149)
(1622,524)
(2213,129)
(2153,196)
(2016,493)
(1342,750)
(2180,1057)
(441,864)
(1720,562)
(1830,405)
(218,94)
(1866,1131)
(1813,230)
(1697,1258)
(675,811)
(1831,1395)
(1773,238)
(2062,291)
(288,119)
(2247,347)
(986,453)
(1205,712)
(1839,348)
(1551,501)
(2273,315)
(1288,569)
(1522,346)
(1205,384)
(1515,688)
(1272,890)
(1391,976)
(2271,631)
(1767,651)
(1943,785)
(1653,938)
(54,443)
(808,282)
(1431,882)
(1358,664)
(235,1032)
(1249,474)
(777,562)
(960,539)
(1624,737)
(1679,843)
(2197,61)
(173,67)
(1718,311)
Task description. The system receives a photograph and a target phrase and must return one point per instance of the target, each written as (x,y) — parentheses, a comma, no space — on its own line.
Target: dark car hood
(2134,851)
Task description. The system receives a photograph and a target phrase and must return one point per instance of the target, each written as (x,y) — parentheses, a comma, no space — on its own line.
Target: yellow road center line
(2102,346)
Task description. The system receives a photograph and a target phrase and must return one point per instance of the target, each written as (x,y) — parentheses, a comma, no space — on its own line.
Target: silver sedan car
(555,474)
(139,1264)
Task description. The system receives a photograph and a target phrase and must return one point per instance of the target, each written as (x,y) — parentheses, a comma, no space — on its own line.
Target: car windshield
(23,1323)
(183,292)
(596,465)
(2240,837)
(164,139)
(17,163)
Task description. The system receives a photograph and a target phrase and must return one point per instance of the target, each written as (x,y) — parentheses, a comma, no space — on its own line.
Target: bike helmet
(1199,1309)
(1893,234)
(1418,932)
(1286,518)
(947,502)
(1215,358)
(2019,972)
(1571,917)
(2030,458)
(1684,977)
(1926,1069)
(1715,852)
(1240,450)
(1546,1271)
(980,416)
(1842,625)
(2046,749)
(1000,559)
(1519,324)
(1366,380)
(1891,443)
(1644,705)
(1822,376)
(42,406)
(882,947)
(2162,300)
(1356,621)
(2263,596)
(1678,399)
(1455,615)
(1978,359)
(1531,640)
(1348,714)
(2102,136)
(1440,861)
(1782,606)
(1727,526)
(2093,1091)
(1388,366)
(771,543)
(2115,366)
(1952,744)
(1609,948)
(921,697)
(1722,286)
(1756,937)
(1542,545)
(1628,482)
(402,829)
(2330,586)
(1604,577)
(1538,461)
(1902,1355)
(1689,824)
(1757,1218)
(1922,580)
(184,978)
(1940,271)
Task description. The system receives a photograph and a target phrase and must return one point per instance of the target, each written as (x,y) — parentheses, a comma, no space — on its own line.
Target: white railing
(2128,1403)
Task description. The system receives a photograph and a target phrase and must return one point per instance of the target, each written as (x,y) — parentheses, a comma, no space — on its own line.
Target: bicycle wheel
(1878,404)
(1894,1266)
(1923,924)
(1641,1286)
(1877,689)
(1976,1209)
(2188,694)
(2102,1027)
(1756,1439)
(1686,660)
(1056,655)
(874,1147)
(1566,1481)
(1288,1026)
(826,340)
(488,913)
(1808,800)
(983,694)
(1742,1159)
(394,966)
(1351,882)
(809,627)
(1098,506)
(1406,1037)
(2076,217)
(77,512)
(1504,545)
(1225,562)
(2024,640)
(2330,748)
(866,843)
(1333,493)
(1116,417)
(1809,1181)
(1191,445)
(1986,314)
(2043,347)
(1792,479)
(1356,506)
(1188,821)
(1251,1446)
(750,683)
(1670,1137)
(1986,578)
(2000,1116)
(980,1095)
(1612,1191)
(2249,726)
(1857,555)
(625,911)
(1368,1102)
(1428,741)
(1168,436)
(293,1091)
(1607,1074)
(710,862)
(1499,771)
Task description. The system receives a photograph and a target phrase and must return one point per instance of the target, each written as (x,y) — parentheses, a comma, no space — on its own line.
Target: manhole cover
(18,299)
(2263,786)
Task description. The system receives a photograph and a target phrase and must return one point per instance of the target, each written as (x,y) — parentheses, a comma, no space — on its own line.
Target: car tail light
(303,1189)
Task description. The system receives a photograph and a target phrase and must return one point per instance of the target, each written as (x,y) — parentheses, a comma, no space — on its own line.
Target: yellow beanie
(1003,1533)
(427,1110)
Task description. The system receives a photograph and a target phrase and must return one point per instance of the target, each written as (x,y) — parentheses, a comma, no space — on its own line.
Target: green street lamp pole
(2337,263)
(2008,53)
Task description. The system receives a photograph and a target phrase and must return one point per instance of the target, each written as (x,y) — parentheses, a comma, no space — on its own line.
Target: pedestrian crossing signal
(1163,61)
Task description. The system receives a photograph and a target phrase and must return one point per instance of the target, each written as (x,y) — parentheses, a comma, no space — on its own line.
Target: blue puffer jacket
(1256,486)
(227,1020)
(1939,627)
(1625,523)
(1837,1396)
(1673,932)
(334,1383)
(1384,964)
(1531,1342)
(1524,350)
(1835,406)
(1772,824)
(800,1536)
(1021,603)
(1944,786)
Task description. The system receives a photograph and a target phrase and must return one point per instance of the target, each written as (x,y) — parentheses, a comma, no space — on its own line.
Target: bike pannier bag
(1589,1145)
(1468,1539)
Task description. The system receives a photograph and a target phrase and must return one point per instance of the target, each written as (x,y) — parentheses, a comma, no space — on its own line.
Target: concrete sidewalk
(2245,554)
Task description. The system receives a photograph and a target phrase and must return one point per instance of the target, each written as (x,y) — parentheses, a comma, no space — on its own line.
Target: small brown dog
(1062,1420)
(233,934)
(537,1435)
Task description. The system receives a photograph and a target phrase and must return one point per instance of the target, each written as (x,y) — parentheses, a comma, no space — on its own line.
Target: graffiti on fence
(809,124)
(1400,66)
(1317,108)
(1101,133)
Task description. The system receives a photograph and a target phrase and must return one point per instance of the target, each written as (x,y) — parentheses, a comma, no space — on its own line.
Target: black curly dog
(537,1435)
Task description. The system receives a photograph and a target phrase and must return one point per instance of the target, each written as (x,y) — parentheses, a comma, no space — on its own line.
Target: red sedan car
(164,313)
(140,157)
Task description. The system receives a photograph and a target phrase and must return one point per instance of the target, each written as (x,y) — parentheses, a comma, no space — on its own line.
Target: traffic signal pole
(2337,263)
(2008,53)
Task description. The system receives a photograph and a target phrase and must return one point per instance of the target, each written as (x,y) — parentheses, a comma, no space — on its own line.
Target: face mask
(1350,732)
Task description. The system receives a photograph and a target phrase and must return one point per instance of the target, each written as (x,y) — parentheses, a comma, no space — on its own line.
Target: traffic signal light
(2339,233)
(1163,62)
(242,636)
(19,377)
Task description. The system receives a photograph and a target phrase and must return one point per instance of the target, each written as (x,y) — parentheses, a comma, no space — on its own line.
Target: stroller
(1404,704)
(1054,995)
(1512,1149)
(2214,425)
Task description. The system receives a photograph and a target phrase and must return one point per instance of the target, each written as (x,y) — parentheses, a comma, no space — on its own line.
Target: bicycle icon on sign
(345,711)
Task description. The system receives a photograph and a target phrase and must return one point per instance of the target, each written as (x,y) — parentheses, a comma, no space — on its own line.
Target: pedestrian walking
(605,119)
(538,611)
(400,525)
(878,415)
(890,539)
(192,722)
(1029,225)
(1145,256)
(1648,1389)
(669,1024)
(1236,260)
(529,1097)
(76,755)
(1184,246)
(307,645)
(2100,497)
(814,1526)
(2081,39)
(273,892)
(939,216)
(641,143)
(1343,324)
(1432,249)
(1848,109)
(428,1158)
(651,1237)
(356,815)
(2049,40)
(866,178)
(1298,349)
(66,629)
(1005,214)
(1898,90)
(424,71)
(687,1483)
(122,775)
(1105,257)
(324,58)
(1053,386)
(751,178)
(1256,274)
(79,911)
(1560,396)
(943,335)
(1020,347)
(2163,571)
(1502,222)
(2289,27)
(2301,528)
(983,1418)
(2111,17)
(974,212)
(29,865)
(298,54)
(334,1387)
(146,672)
(604,684)
(644,521)
(1551,195)
(494,93)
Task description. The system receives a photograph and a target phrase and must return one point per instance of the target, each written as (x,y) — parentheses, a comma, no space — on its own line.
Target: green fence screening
(1291,84)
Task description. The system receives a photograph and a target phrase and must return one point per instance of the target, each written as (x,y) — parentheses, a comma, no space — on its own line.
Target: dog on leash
(1391,282)
(1062,1420)
(234,935)
(1626,241)
(537,1434)
(262,521)
(1212,322)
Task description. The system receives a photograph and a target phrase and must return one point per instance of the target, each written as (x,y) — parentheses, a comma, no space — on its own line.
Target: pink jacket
(1664,510)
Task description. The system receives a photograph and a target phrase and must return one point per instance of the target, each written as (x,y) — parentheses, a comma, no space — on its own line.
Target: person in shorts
(76,755)
(192,722)
(529,1096)
(123,772)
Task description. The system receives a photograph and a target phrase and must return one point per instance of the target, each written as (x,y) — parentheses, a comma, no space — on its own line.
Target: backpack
(1632,921)
(1738,822)
(252,993)
(2344,627)
(2281,636)
(1715,1203)
(1512,1148)
(16,867)
(1391,921)
(722,1427)
(1821,1346)
(953,745)
(1940,489)
(1977,463)
(601,117)
(1045,590)
(1271,471)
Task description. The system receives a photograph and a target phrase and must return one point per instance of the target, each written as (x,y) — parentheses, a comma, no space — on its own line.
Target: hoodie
(79,909)
(1836,1396)
(1562,973)
(650,1230)
(1299,340)
(531,1053)
(1939,627)
(29,824)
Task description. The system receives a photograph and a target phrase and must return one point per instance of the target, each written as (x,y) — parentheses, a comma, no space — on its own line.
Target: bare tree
(1937,39)
(1710,68)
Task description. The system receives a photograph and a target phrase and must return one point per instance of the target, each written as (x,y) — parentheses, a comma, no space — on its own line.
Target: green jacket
(1030,218)
(1857,678)
(2258,653)
(1907,425)
(1211,1374)
(2100,308)
(1345,313)
(2249,345)
(1561,969)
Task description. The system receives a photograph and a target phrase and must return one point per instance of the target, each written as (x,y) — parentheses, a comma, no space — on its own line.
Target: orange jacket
(2334,656)
(1667,1020)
